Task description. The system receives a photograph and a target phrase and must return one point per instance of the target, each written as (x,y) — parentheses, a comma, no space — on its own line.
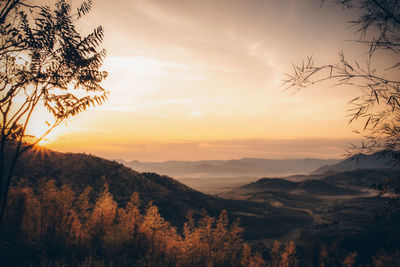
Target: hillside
(173,198)
(82,170)
(328,183)
(310,187)
(362,178)
(273,184)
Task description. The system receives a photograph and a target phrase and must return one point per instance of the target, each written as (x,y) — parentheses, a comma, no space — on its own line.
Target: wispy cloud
(149,108)
(157,12)
(206,70)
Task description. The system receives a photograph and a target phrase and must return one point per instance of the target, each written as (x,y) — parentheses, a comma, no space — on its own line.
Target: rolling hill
(309,187)
(173,198)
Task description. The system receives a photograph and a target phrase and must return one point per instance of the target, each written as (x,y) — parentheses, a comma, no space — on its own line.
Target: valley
(311,209)
(344,209)
(334,204)
(216,176)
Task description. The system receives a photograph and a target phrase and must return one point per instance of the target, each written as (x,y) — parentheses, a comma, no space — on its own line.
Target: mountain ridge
(378,160)
(234,167)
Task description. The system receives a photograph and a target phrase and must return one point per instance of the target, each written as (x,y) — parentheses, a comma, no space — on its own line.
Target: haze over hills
(230,168)
(216,176)
(350,176)
(345,209)
(340,183)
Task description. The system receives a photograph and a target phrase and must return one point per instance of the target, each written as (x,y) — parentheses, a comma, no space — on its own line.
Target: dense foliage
(56,226)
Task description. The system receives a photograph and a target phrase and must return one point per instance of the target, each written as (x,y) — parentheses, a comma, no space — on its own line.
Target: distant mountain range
(362,161)
(228,168)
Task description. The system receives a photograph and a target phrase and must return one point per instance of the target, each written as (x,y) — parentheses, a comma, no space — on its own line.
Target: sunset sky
(192,80)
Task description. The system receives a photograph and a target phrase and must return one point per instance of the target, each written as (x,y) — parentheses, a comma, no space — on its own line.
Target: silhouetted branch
(378,105)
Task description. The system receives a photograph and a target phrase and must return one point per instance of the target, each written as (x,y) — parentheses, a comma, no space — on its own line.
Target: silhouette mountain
(361,177)
(361,161)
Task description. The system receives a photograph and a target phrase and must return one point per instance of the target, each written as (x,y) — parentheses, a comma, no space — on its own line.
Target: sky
(193,80)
